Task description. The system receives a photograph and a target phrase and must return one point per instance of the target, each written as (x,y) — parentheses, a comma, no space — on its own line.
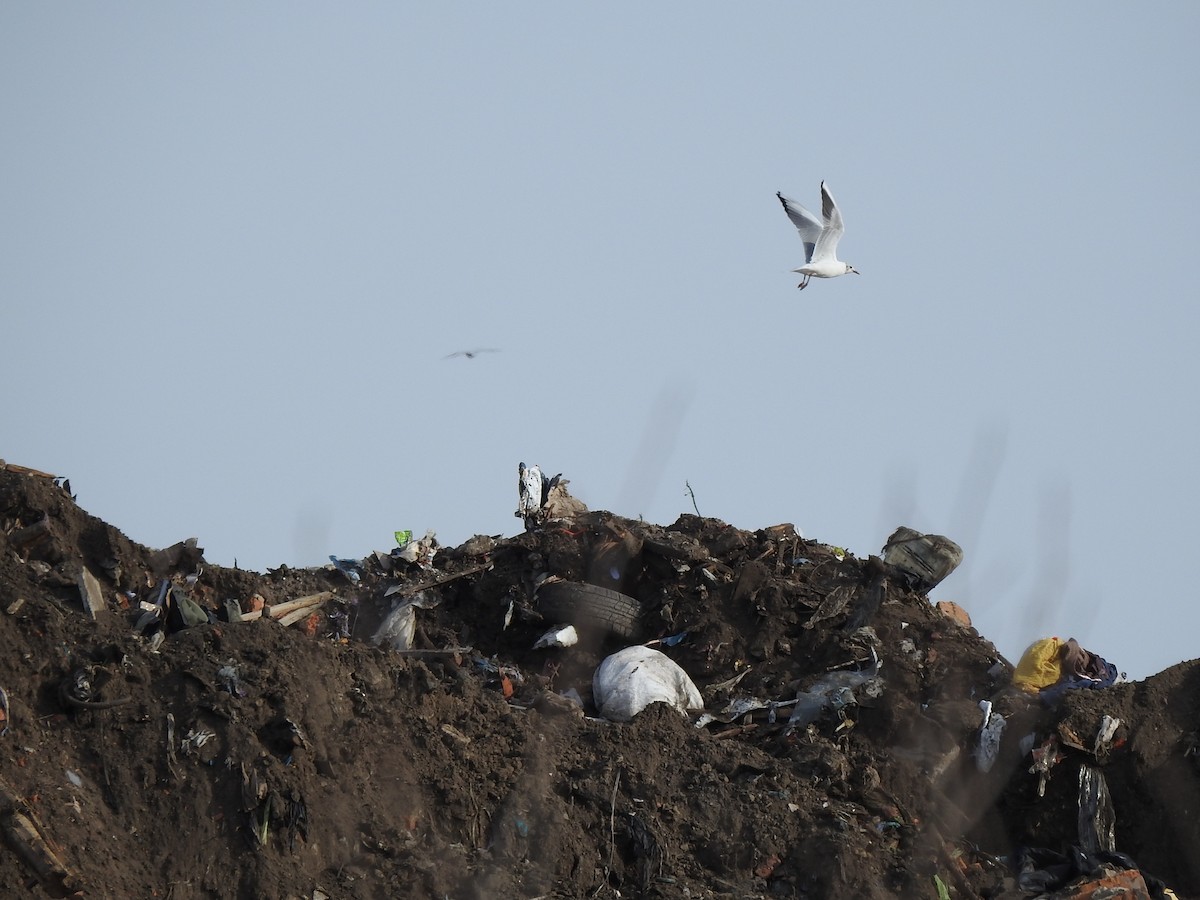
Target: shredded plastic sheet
(1097,820)
(834,692)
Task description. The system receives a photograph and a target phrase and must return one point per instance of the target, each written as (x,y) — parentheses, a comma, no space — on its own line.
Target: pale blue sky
(239,239)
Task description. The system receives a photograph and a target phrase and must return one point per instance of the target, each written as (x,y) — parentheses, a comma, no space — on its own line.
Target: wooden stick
(304,612)
(402,591)
(25,837)
(612,834)
(279,610)
(24,470)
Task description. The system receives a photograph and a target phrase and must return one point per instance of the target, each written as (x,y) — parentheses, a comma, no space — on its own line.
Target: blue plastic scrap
(348,567)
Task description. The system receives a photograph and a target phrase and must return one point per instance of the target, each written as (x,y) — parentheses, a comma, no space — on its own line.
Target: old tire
(591,609)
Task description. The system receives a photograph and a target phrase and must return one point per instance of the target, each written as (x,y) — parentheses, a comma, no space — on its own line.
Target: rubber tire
(594,609)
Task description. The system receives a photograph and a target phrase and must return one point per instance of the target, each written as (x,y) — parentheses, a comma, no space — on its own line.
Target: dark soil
(334,768)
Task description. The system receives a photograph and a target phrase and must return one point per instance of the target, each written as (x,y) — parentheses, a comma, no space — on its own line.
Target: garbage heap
(430,721)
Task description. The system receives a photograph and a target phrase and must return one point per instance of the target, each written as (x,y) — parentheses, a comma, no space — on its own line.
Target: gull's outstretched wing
(806,223)
(831,233)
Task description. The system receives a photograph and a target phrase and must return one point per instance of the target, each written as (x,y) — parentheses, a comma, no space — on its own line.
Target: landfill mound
(287,756)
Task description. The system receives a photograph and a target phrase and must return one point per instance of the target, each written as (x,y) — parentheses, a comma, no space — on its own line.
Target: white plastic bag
(397,630)
(558,636)
(631,679)
(529,489)
(990,733)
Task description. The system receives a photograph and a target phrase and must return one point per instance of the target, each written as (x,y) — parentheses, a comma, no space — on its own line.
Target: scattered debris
(419,552)
(470,758)
(194,740)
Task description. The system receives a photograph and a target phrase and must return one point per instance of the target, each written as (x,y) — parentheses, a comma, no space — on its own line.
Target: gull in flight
(471,354)
(820,238)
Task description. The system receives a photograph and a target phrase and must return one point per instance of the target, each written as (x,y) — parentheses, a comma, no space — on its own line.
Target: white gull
(820,238)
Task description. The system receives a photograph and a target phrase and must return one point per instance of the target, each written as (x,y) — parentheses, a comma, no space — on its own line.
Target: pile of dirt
(258,759)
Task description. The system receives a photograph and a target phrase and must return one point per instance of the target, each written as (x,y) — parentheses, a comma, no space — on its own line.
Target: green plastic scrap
(943,891)
(189,609)
(403,537)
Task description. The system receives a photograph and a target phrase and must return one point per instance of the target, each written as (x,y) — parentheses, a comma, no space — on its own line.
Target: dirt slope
(331,767)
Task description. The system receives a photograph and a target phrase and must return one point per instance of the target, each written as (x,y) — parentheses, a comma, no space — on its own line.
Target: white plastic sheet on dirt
(990,733)
(631,679)
(397,630)
(559,636)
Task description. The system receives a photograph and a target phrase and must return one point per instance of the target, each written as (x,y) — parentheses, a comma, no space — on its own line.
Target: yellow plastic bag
(1040,665)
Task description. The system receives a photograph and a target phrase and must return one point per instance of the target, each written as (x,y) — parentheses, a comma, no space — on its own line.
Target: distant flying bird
(820,238)
(471,354)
